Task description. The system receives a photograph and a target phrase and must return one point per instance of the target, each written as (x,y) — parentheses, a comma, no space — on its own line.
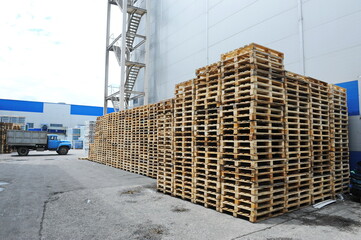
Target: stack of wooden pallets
(183,140)
(88,134)
(128,140)
(298,145)
(108,137)
(321,165)
(126,154)
(120,152)
(339,154)
(245,137)
(253,174)
(139,128)
(261,137)
(165,148)
(113,141)
(4,148)
(206,150)
(152,137)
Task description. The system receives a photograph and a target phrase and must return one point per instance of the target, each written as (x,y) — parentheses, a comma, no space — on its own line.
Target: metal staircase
(132,74)
(124,46)
(133,26)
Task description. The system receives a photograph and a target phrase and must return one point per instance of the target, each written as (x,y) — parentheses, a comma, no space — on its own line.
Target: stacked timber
(320,141)
(150,132)
(298,145)
(89,134)
(183,185)
(339,154)
(128,140)
(127,147)
(206,157)
(4,148)
(108,139)
(265,141)
(253,164)
(245,137)
(165,147)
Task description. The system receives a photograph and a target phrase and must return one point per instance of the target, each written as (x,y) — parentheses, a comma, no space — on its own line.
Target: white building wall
(53,113)
(188,34)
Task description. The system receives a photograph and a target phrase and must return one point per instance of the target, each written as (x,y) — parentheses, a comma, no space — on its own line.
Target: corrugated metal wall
(188,34)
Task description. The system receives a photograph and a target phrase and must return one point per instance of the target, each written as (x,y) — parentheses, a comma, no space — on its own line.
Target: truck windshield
(52,138)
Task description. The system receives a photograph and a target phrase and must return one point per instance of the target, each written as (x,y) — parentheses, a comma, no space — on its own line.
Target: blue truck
(24,141)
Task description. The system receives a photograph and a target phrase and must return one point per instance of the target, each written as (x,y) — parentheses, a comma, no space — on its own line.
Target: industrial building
(64,119)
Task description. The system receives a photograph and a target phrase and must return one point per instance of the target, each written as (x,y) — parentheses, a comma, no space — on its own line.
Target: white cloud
(53,51)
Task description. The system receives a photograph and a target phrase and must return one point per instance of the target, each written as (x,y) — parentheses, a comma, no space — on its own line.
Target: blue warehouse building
(53,117)
(353,104)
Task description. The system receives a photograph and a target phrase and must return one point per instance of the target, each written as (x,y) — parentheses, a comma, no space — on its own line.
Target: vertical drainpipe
(123,56)
(105,109)
(300,30)
(207,37)
(147,48)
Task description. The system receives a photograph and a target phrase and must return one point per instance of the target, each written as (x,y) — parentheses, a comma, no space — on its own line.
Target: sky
(53,51)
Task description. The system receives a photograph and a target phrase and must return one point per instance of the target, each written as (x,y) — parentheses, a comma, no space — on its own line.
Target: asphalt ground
(49,196)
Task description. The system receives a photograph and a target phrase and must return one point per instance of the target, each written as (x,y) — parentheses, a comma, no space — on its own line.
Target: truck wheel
(63,151)
(23,151)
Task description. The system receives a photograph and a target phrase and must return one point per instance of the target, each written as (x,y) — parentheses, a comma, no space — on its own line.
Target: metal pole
(147,47)
(300,30)
(106,61)
(123,54)
(207,34)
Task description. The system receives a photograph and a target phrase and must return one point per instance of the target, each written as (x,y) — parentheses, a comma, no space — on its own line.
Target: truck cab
(55,144)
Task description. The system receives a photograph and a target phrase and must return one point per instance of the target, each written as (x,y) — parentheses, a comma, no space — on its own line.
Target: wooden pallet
(4,127)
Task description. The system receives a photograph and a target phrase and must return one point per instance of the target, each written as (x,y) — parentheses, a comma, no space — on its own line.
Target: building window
(4,119)
(76,131)
(56,125)
(21,120)
(13,119)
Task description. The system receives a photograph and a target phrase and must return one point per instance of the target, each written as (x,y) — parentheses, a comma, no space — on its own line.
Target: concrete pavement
(49,196)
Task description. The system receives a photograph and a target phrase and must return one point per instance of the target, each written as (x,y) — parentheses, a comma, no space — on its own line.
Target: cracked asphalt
(48,196)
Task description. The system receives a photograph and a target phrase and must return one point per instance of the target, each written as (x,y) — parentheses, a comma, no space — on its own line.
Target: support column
(147,48)
(123,54)
(106,81)
(300,30)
